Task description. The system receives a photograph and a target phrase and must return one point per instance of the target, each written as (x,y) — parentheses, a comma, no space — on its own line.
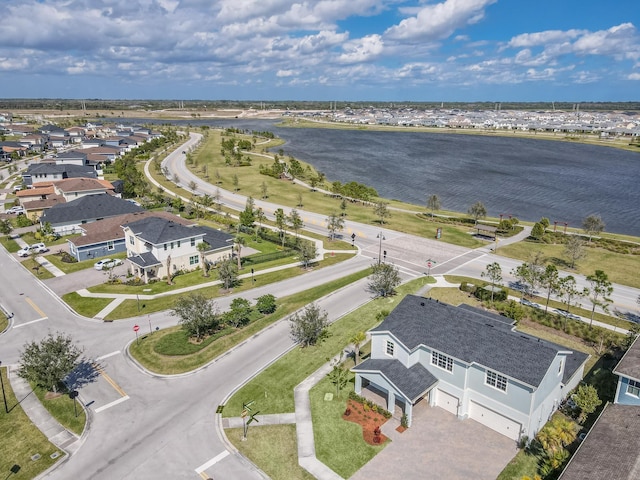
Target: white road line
(112,404)
(29,323)
(212,462)
(108,355)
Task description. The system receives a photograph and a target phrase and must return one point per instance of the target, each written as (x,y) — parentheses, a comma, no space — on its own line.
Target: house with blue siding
(628,371)
(470,362)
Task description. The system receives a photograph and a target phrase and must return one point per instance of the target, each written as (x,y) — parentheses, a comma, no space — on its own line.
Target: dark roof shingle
(413,382)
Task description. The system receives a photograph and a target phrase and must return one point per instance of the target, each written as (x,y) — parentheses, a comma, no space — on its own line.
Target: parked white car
(18,210)
(107,263)
(39,248)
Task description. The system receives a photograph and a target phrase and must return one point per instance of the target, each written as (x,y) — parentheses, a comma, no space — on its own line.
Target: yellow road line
(35,307)
(109,380)
(204,476)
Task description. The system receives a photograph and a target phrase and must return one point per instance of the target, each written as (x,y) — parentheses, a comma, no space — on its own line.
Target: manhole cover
(35,457)
(55,455)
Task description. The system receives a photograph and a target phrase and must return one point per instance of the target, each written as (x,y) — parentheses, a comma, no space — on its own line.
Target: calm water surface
(527,178)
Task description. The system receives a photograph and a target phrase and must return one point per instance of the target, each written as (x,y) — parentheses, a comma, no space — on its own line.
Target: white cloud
(543,38)
(286,73)
(633,76)
(440,20)
(362,50)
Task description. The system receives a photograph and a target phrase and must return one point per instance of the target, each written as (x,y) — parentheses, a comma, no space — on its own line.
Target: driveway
(86,278)
(439,446)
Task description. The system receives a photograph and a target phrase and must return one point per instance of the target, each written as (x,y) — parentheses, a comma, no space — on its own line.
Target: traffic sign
(136,328)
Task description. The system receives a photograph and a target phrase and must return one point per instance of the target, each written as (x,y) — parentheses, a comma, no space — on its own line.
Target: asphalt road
(148,426)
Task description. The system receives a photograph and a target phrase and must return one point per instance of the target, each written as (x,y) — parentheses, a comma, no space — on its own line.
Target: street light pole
(4,395)
(381,237)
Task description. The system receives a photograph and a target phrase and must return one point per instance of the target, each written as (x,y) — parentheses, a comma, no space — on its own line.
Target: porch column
(358,384)
(408,411)
(391,401)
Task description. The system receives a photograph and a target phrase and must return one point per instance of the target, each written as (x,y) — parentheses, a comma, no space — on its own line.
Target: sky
(327,50)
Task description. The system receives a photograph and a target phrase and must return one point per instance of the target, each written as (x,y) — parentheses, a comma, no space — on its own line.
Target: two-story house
(157,247)
(470,362)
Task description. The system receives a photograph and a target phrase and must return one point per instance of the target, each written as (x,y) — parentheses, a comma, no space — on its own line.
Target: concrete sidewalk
(68,442)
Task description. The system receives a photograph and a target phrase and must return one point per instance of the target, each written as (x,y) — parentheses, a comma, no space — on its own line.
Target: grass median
(145,352)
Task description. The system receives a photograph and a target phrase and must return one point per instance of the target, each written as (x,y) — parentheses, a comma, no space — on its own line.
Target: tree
(49,361)
(228,273)
(521,272)
(264,189)
(599,291)
(537,232)
(335,224)
(217,203)
(6,227)
(203,247)
(535,268)
(260,218)
(574,249)
(247,216)
(266,304)
(295,221)
(236,182)
(593,225)
(477,211)
(357,340)
(343,207)
(281,223)
(239,312)
(433,204)
(385,277)
(197,314)
(308,252)
(587,401)
(192,186)
(239,242)
(568,291)
(550,279)
(381,211)
(309,326)
(338,376)
(169,282)
(300,204)
(494,273)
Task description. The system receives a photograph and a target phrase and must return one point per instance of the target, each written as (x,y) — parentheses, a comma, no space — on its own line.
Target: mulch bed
(368,420)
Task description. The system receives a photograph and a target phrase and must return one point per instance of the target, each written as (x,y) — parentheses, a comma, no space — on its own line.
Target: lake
(523,177)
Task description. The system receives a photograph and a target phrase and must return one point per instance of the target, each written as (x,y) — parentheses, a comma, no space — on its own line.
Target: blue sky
(344,50)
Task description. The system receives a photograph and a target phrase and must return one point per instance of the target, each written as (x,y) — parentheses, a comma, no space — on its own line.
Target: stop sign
(429,264)
(136,328)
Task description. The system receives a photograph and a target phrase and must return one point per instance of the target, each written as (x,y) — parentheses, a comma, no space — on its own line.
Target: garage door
(494,421)
(447,401)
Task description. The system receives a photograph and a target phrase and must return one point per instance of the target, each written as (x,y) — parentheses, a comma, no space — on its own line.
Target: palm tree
(202,248)
(357,340)
(260,217)
(239,241)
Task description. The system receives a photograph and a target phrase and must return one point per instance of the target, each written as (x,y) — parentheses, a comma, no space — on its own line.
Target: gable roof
(82,184)
(88,207)
(470,337)
(413,382)
(34,192)
(111,228)
(629,366)
(611,450)
(157,230)
(70,169)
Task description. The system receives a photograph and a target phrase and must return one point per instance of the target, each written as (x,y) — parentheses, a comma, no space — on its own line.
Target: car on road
(526,302)
(107,263)
(17,210)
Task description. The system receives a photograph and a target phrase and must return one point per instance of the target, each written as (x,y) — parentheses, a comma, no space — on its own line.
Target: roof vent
(489,325)
(422,304)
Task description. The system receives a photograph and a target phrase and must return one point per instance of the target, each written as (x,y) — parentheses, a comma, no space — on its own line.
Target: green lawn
(620,268)
(62,409)
(339,444)
(4,322)
(146,351)
(21,440)
(11,245)
(132,308)
(36,269)
(86,306)
(273,448)
(274,385)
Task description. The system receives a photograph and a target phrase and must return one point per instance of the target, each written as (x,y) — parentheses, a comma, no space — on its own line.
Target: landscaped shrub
(485,295)
(368,405)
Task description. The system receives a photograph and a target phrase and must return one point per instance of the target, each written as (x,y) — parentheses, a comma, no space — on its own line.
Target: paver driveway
(438,446)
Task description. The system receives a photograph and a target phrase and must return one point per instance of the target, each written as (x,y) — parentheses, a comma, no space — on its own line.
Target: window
(560,367)
(110,245)
(194,260)
(390,348)
(496,380)
(633,388)
(171,245)
(165,247)
(193,242)
(178,243)
(442,361)
(132,240)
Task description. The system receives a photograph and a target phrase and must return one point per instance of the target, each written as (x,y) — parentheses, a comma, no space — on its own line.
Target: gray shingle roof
(146,259)
(470,337)
(88,207)
(68,168)
(413,382)
(159,230)
(611,450)
(629,366)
